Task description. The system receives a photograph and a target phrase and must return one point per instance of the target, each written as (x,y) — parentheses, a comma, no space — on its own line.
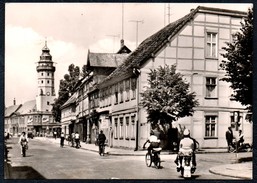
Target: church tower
(45,76)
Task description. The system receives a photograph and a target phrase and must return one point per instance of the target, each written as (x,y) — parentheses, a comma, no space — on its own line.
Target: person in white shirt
(154,142)
(23,139)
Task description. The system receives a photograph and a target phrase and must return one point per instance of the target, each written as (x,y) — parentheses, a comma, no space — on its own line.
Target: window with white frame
(211,87)
(115,128)
(210,125)
(127,87)
(121,128)
(127,128)
(211,45)
(121,85)
(133,87)
(133,127)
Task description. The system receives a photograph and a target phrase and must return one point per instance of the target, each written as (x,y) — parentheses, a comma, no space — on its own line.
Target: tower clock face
(48,93)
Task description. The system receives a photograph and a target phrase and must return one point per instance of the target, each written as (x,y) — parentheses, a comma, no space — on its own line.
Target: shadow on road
(21,172)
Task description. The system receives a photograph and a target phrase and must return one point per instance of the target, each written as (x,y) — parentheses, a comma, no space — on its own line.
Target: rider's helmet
(186,133)
(23,133)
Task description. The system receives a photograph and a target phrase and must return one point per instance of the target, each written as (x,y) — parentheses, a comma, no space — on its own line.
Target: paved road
(49,161)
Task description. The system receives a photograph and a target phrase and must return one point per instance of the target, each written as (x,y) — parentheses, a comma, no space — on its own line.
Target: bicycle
(153,157)
(101,148)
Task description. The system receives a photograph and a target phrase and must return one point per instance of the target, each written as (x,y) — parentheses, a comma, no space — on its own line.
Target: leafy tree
(66,89)
(238,62)
(167,98)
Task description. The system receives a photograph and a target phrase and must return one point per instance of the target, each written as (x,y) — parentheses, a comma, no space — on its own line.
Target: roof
(157,41)
(70,101)
(10,110)
(27,107)
(105,59)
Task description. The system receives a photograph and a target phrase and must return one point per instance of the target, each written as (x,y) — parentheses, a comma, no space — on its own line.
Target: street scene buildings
(109,97)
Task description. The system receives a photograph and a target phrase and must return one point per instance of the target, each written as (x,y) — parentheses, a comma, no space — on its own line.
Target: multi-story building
(194,43)
(36,115)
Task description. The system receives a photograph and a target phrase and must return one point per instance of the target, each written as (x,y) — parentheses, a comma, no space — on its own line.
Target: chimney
(14,101)
(121,43)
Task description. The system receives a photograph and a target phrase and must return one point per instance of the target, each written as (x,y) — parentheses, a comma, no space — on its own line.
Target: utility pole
(137,22)
(169,14)
(113,36)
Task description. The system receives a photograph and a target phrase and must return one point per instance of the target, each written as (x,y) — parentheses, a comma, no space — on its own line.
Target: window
(211,49)
(47,81)
(210,126)
(48,103)
(121,85)
(211,89)
(42,74)
(133,127)
(48,74)
(133,87)
(42,81)
(127,87)
(127,128)
(115,128)
(121,128)
(116,94)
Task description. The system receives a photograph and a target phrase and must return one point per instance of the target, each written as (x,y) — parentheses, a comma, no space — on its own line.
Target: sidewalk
(236,170)
(121,151)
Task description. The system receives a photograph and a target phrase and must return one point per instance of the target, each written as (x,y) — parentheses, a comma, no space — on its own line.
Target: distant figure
(62,140)
(229,138)
(23,139)
(77,140)
(55,134)
(240,140)
(101,140)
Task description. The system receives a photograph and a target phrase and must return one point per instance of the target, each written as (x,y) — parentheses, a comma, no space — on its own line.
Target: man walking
(101,141)
(229,138)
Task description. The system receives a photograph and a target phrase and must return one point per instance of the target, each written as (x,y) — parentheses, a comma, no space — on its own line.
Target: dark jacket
(101,138)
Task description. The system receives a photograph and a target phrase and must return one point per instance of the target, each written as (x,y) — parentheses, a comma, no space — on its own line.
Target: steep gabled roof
(105,59)
(27,107)
(70,101)
(150,46)
(10,110)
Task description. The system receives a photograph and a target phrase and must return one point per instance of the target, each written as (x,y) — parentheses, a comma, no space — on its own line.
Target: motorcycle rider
(154,142)
(186,144)
(23,138)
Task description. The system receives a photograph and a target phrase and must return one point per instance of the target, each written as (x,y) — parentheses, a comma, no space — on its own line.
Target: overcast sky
(71,29)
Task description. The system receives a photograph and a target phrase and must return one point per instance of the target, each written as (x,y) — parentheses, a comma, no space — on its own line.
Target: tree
(238,62)
(167,97)
(66,89)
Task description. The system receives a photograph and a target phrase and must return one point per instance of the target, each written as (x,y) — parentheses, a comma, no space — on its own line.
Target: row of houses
(109,98)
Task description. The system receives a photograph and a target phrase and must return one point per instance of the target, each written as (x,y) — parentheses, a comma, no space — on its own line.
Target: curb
(228,175)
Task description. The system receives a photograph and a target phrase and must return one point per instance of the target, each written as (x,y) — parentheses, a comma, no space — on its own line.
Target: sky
(72,29)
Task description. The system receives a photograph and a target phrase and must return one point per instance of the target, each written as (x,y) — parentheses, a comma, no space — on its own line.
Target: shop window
(133,128)
(121,128)
(210,126)
(127,128)
(211,45)
(115,128)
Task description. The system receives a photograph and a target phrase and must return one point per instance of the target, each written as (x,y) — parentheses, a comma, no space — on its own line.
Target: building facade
(36,115)
(194,44)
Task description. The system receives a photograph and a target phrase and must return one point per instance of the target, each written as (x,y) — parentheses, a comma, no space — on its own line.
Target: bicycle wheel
(148,159)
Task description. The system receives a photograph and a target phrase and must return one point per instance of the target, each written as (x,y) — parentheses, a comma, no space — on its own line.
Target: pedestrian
(62,140)
(77,140)
(240,140)
(55,134)
(23,140)
(101,140)
(229,138)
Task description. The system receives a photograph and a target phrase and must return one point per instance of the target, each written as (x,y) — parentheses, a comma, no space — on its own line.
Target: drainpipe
(137,72)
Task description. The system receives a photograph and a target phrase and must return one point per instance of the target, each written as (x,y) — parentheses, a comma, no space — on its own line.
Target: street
(49,161)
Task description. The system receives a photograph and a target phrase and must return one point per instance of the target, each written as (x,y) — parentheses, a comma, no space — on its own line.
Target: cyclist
(101,141)
(23,139)
(154,142)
